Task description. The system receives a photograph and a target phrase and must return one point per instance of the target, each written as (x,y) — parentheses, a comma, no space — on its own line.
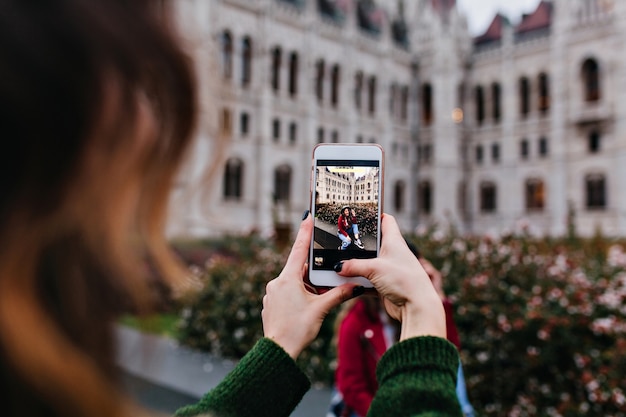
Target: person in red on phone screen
(347,224)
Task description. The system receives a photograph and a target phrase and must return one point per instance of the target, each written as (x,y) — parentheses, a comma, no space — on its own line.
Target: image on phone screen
(346,211)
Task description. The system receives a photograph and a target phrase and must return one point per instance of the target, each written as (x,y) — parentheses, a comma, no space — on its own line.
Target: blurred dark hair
(98,102)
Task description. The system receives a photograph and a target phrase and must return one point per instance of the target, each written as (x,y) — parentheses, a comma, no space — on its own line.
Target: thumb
(358,268)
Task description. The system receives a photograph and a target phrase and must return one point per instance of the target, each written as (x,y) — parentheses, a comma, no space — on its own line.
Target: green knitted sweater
(416,377)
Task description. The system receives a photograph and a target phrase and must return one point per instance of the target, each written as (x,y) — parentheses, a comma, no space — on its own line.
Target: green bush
(224,318)
(542,321)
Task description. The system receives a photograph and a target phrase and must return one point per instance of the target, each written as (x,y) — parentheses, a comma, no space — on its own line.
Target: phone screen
(346,211)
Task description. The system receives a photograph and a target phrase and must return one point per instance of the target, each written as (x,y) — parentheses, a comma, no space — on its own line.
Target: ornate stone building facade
(523,125)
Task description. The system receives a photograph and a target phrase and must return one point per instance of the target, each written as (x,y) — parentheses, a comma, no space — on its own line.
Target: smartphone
(346,205)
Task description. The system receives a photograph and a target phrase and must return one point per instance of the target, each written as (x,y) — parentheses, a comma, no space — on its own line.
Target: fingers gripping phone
(346,205)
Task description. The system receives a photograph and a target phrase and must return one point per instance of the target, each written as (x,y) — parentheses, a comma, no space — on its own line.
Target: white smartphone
(346,205)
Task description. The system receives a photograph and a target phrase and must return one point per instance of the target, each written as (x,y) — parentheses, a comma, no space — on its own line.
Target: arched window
(543,146)
(404,103)
(276,63)
(319,80)
(594,142)
(544,93)
(358,89)
(524,149)
(487,197)
(591,80)
(282,183)
(392,100)
(535,194)
(479,154)
(480,105)
(427,104)
(233,179)
(227,54)
(424,196)
(372,95)
(293,74)
(595,187)
(246,61)
(334,91)
(496,102)
(524,96)
(398,196)
(293,133)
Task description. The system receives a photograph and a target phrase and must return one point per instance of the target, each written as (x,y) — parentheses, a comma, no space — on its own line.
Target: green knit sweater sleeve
(417,377)
(265,383)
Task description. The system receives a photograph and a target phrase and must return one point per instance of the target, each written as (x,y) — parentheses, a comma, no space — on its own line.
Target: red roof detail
(541,18)
(493,32)
(443,5)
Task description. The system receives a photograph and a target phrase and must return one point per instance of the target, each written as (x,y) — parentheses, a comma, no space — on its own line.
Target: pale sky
(481,12)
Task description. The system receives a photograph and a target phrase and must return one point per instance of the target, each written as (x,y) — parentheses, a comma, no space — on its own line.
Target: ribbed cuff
(419,353)
(265,383)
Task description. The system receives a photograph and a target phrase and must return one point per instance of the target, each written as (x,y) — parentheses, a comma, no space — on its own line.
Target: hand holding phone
(346,204)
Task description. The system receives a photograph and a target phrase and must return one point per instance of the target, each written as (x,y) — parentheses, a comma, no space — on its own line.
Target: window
(246,61)
(372,95)
(282,183)
(594,141)
(535,194)
(479,154)
(404,103)
(424,194)
(398,196)
(293,133)
(424,153)
(591,80)
(227,54)
(427,104)
(293,74)
(244,124)
(334,137)
(276,63)
(496,93)
(320,135)
(392,100)
(334,80)
(495,152)
(319,80)
(276,130)
(543,147)
(480,105)
(524,96)
(359,139)
(596,191)
(358,89)
(523,149)
(544,94)
(487,197)
(233,179)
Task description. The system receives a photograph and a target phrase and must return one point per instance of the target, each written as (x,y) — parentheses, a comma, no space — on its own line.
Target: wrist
(291,350)
(423,319)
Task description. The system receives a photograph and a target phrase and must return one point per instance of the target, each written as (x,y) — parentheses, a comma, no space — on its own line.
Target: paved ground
(163,376)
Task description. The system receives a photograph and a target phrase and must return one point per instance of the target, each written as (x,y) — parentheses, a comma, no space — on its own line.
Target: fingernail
(338,266)
(356,291)
(305,214)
